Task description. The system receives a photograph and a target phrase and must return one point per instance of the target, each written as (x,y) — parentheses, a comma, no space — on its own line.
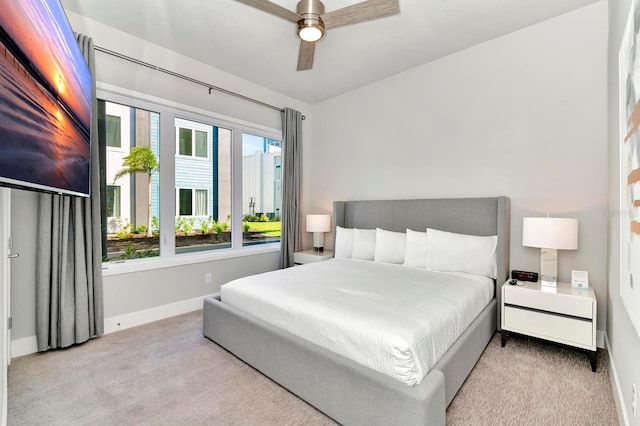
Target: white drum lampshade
(550,234)
(318,224)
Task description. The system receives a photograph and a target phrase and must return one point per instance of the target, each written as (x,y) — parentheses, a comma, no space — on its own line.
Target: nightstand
(563,315)
(310,256)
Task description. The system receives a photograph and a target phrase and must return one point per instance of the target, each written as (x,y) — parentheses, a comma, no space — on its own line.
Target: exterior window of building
(184,142)
(201,202)
(192,142)
(193,202)
(261,189)
(112,124)
(185,202)
(113,201)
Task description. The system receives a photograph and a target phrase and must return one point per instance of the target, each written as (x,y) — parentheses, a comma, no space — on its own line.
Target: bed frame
(341,388)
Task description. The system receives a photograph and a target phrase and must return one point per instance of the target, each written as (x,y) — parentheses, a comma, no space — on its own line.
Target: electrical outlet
(207,278)
(634,397)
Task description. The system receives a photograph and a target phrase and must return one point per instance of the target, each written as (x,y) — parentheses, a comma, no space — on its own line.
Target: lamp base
(549,267)
(549,281)
(318,241)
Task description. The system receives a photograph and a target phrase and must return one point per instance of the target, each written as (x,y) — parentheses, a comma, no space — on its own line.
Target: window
(113,201)
(185,202)
(203,185)
(261,189)
(193,207)
(193,202)
(131,201)
(201,204)
(192,142)
(112,124)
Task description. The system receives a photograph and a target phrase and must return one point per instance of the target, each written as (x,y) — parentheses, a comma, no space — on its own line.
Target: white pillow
(416,249)
(390,246)
(364,244)
(450,252)
(343,246)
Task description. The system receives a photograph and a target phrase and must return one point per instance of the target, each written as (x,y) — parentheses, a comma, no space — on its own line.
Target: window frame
(170,111)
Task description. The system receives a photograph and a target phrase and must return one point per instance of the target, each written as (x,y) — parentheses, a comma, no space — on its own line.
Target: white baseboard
(134,319)
(24,346)
(615,387)
(28,345)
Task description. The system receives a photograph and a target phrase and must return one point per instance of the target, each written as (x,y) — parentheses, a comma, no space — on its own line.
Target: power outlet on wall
(207,278)
(634,398)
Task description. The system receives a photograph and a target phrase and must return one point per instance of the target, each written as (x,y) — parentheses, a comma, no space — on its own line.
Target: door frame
(5,278)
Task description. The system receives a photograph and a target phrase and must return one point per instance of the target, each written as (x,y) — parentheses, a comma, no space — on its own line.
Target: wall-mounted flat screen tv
(45,100)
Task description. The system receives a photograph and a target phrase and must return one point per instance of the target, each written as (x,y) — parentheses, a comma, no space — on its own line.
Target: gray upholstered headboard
(474,216)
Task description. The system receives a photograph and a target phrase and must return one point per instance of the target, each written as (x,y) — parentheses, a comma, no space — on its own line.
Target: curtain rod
(187,78)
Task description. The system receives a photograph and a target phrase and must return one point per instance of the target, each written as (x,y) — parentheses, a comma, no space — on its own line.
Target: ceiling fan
(312,22)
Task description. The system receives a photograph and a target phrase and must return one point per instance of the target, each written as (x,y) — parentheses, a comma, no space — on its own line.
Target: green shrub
(130,253)
(218,228)
(187,226)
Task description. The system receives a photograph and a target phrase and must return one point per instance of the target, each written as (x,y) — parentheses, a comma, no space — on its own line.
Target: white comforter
(394,319)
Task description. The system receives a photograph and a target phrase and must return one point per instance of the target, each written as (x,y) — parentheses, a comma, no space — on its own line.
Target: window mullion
(236,188)
(168,194)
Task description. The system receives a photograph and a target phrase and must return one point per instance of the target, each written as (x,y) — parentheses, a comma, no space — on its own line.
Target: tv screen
(45,100)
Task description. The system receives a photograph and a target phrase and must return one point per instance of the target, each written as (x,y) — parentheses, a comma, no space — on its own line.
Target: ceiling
(263,48)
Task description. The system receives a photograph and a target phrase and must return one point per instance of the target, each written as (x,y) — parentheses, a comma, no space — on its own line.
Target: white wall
(624,342)
(523,115)
(128,293)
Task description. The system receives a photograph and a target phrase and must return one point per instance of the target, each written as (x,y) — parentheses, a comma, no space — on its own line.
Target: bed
(346,390)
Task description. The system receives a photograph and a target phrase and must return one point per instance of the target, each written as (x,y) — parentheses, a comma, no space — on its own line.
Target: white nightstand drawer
(555,301)
(557,328)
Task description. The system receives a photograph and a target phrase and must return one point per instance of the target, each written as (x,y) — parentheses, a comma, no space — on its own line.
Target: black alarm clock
(524,275)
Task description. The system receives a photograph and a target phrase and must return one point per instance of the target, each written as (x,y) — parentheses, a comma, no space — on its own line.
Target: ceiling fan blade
(305,57)
(272,8)
(360,12)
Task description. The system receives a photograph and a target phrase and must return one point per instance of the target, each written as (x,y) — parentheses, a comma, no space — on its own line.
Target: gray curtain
(291,163)
(69,304)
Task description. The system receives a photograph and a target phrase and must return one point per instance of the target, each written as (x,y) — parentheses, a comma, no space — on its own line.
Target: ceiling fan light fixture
(310,30)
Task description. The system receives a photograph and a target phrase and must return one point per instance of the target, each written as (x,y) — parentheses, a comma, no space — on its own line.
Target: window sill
(140,265)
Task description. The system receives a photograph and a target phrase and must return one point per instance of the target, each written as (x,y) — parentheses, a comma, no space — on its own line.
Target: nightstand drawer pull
(526,308)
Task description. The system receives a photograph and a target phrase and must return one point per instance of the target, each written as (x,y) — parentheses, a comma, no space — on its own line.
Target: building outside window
(113,131)
(127,198)
(261,189)
(113,201)
(201,179)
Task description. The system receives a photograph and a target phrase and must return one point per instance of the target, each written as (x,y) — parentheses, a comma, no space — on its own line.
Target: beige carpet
(167,373)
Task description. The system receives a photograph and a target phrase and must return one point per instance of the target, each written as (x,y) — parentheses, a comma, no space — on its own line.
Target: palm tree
(140,159)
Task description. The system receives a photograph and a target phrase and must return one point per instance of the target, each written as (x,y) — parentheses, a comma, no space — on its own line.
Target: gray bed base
(344,390)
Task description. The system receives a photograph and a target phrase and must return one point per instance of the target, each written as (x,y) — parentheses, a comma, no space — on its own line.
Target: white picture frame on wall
(629,143)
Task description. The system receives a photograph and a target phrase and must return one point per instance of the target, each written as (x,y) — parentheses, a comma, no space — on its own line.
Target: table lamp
(550,234)
(318,224)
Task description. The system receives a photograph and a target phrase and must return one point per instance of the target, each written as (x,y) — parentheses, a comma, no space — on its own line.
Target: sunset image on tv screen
(45,99)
